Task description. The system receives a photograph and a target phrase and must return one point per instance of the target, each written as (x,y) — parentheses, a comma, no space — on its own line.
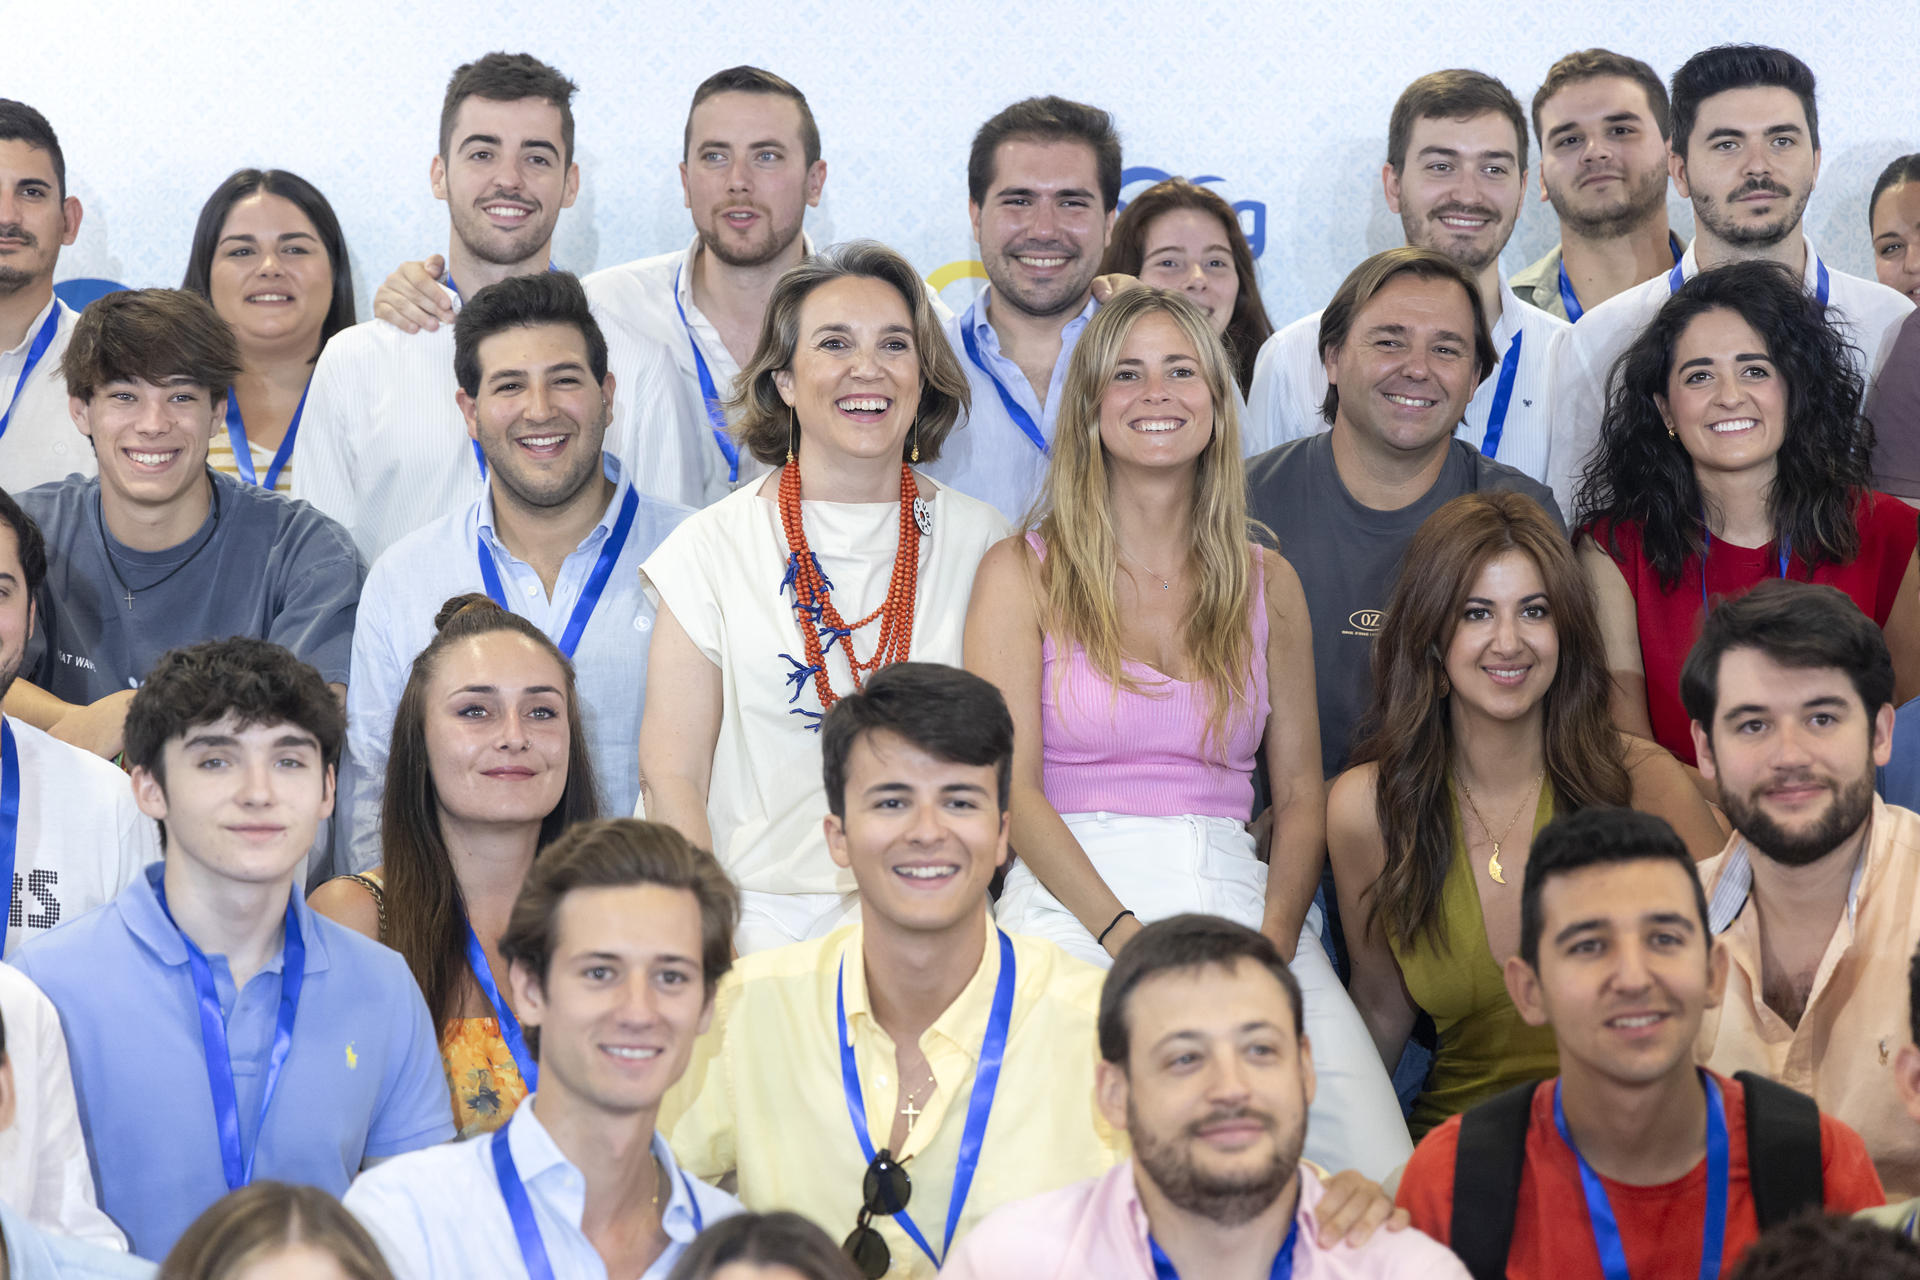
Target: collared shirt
(363,1080)
(44,1171)
(1099,1228)
(33,1254)
(41,443)
(81,838)
(1868,313)
(431,565)
(988,456)
(1539,284)
(1842,1051)
(641,295)
(787,1134)
(1290,383)
(383,447)
(438,1214)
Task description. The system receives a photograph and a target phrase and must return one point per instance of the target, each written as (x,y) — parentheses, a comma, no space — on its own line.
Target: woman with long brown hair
(1490,714)
(489,765)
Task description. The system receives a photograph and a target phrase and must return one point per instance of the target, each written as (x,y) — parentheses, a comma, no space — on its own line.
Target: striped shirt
(220,458)
(383,447)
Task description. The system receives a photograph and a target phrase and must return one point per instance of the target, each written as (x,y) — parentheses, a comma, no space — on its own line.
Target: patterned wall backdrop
(1283,102)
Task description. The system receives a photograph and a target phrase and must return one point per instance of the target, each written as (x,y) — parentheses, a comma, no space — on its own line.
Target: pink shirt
(1097,1228)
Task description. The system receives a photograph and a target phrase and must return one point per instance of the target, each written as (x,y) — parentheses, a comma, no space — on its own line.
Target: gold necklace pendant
(1493,865)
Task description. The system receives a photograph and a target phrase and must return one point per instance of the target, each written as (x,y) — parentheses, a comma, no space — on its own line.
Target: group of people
(1083,786)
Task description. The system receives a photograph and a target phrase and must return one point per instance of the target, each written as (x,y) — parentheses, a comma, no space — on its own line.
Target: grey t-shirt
(265,566)
(1348,556)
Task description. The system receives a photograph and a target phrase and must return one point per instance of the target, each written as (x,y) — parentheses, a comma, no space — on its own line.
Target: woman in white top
(779,598)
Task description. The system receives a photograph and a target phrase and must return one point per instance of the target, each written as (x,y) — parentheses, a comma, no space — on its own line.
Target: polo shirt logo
(353,1059)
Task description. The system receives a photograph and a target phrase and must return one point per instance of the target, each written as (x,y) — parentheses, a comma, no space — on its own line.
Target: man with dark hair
(1633,1160)
(558,534)
(1456,173)
(1819,1248)
(1601,118)
(158,551)
(384,447)
(1205,1066)
(70,835)
(37,217)
(1043,184)
(1816,899)
(1401,347)
(614,948)
(284,1045)
(1904,1215)
(1746,152)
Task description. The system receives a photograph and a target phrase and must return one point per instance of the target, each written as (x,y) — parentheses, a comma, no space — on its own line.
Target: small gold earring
(914,435)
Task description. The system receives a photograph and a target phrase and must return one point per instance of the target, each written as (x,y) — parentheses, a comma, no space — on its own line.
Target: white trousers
(1162,867)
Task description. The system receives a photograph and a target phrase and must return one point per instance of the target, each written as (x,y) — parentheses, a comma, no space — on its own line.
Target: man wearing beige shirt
(1817,896)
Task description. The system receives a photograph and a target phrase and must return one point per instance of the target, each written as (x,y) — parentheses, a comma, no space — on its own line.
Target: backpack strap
(1488,1163)
(1784,1160)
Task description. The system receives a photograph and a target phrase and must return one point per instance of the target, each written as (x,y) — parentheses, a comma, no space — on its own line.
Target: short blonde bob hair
(764,425)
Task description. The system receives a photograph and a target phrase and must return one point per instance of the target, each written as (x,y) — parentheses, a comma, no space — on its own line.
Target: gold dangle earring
(914,436)
(793,434)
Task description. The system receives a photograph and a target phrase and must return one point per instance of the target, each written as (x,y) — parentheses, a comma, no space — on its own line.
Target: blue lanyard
(716,416)
(589,594)
(243,453)
(1572,304)
(1502,397)
(1015,410)
(1822,285)
(1163,1268)
(1706,549)
(1606,1230)
(986,1080)
(509,1025)
(9,823)
(236,1163)
(41,341)
(533,1251)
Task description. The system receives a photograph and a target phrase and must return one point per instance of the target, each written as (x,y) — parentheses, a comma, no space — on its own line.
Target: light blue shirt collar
(483,522)
(139,907)
(546,1172)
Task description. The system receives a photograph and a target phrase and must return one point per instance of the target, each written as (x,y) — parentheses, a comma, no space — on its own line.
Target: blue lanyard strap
(1606,1229)
(986,1080)
(41,341)
(1572,304)
(1163,1268)
(590,594)
(1015,410)
(243,453)
(526,1231)
(1502,397)
(1706,549)
(235,1162)
(716,416)
(9,823)
(509,1025)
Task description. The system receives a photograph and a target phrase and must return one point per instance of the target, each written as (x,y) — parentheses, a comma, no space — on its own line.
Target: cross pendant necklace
(911,1112)
(129,599)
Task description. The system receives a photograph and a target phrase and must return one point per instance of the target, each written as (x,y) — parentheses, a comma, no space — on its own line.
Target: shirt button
(533,589)
(643,623)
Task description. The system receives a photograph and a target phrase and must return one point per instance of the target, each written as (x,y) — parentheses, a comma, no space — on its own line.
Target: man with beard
(1205,1064)
(383,447)
(1816,899)
(1601,119)
(1456,173)
(37,217)
(1746,152)
(1043,183)
(557,535)
(1633,1161)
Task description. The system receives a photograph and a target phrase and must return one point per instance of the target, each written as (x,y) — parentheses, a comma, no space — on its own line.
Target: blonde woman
(1147,650)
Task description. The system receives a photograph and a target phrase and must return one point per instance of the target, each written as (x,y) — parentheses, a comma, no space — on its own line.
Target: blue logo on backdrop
(1252,213)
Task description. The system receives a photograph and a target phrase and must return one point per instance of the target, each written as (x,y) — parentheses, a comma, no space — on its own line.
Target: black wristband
(1102,939)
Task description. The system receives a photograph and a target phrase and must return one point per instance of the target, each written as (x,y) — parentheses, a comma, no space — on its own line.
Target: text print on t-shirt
(37,884)
(1364,623)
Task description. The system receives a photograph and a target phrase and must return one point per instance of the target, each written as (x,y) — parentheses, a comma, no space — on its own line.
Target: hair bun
(472,600)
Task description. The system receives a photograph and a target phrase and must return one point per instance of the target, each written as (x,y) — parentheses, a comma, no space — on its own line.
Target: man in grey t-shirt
(1405,343)
(158,551)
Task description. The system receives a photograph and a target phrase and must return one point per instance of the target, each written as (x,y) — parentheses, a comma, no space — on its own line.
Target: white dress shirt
(438,1214)
(1868,312)
(383,447)
(429,566)
(1290,383)
(41,443)
(44,1172)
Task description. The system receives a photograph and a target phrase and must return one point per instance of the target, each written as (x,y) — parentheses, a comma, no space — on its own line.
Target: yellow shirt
(1856,1018)
(763,1096)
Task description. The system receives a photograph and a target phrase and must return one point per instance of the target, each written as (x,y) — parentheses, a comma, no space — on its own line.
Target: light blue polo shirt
(363,1079)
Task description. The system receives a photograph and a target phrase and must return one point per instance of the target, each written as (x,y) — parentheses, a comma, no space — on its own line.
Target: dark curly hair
(1639,475)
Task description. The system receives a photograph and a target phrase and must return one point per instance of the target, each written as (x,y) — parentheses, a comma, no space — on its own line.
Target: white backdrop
(1286,102)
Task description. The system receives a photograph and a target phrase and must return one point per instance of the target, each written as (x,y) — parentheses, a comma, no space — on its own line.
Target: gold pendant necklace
(1493,863)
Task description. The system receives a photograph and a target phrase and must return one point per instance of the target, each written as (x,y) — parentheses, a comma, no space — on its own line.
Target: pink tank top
(1146,754)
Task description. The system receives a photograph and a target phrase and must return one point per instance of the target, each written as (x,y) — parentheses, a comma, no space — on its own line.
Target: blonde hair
(1080,574)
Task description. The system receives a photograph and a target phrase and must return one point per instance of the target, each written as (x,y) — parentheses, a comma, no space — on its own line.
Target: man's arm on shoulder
(1847,1175)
